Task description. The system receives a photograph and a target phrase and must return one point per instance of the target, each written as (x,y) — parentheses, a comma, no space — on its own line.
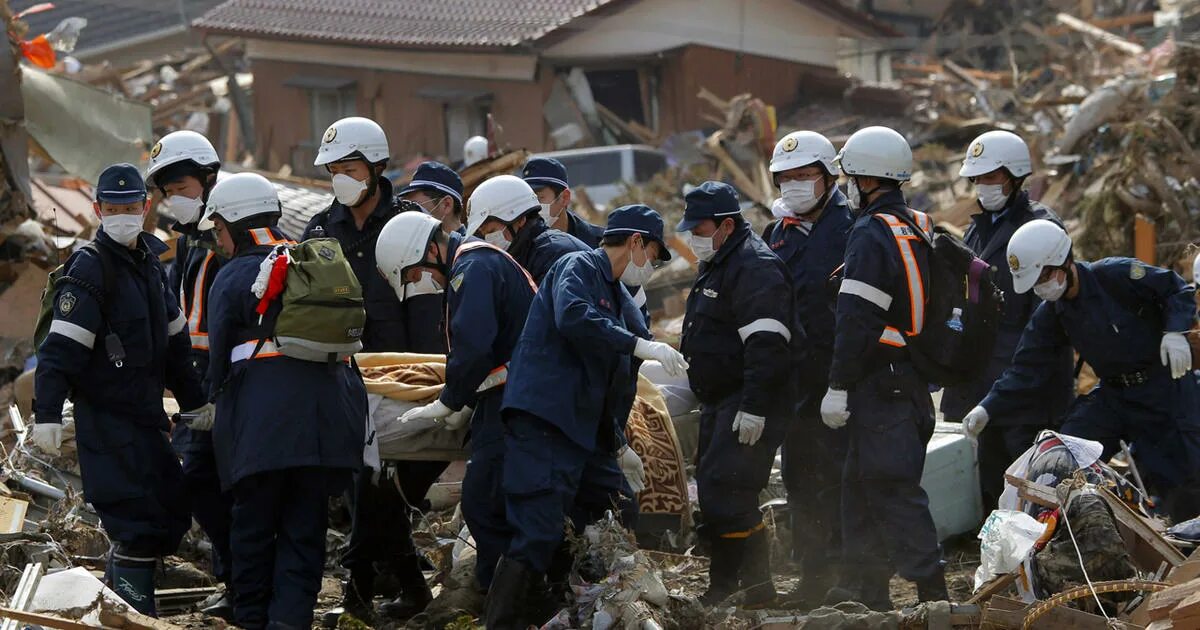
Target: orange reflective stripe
(466,247)
(904,236)
(196,308)
(263,236)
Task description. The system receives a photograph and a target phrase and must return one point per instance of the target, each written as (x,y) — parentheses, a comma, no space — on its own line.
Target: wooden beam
(47,621)
(1113,41)
(1127,517)
(1135,19)
(1034,492)
(994,587)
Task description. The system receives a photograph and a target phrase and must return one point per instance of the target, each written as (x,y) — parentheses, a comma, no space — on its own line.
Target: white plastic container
(951,479)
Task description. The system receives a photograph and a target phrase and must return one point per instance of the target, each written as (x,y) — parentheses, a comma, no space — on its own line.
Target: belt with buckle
(1128,380)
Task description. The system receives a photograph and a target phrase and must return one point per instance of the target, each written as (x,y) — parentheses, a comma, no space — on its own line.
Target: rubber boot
(357,594)
(818,575)
(414,593)
(875,592)
(933,588)
(508,598)
(757,586)
(133,581)
(724,567)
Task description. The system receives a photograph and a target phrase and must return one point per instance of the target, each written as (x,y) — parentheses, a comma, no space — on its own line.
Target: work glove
(974,422)
(834,411)
(669,357)
(203,418)
(631,466)
(458,419)
(1176,353)
(749,427)
(436,411)
(47,436)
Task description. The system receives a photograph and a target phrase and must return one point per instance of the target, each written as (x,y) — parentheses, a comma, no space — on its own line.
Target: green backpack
(323,314)
(58,277)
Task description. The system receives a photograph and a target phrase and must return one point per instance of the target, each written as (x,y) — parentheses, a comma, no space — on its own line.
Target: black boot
(357,595)
(818,575)
(414,593)
(725,563)
(508,598)
(757,586)
(219,605)
(933,588)
(876,592)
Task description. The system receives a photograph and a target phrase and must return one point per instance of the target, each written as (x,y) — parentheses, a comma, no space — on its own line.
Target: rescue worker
(739,338)
(116,341)
(997,163)
(572,381)
(184,167)
(809,235)
(438,190)
(355,152)
(874,390)
(288,432)
(1127,320)
(475,150)
(548,178)
(508,218)
(488,296)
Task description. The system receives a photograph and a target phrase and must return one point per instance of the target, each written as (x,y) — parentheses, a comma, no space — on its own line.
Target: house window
(464,120)
(620,91)
(327,106)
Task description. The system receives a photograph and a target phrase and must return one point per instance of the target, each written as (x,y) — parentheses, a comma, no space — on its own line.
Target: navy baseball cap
(542,172)
(121,183)
(639,219)
(710,200)
(438,177)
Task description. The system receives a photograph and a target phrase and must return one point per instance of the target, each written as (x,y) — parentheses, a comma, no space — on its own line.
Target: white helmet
(178,146)
(1196,270)
(240,196)
(801,148)
(877,152)
(475,149)
(1035,245)
(402,244)
(997,149)
(353,135)
(504,197)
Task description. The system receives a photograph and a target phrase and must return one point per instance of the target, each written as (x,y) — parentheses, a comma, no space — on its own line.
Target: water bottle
(955,321)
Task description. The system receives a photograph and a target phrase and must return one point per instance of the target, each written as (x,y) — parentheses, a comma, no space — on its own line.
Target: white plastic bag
(1006,539)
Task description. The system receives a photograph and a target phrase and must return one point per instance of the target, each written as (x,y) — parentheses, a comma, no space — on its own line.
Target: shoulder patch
(66,303)
(1137,271)
(456,282)
(709,293)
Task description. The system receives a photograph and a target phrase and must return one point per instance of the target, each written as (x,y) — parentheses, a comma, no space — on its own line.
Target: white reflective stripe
(867,292)
(245,350)
(639,298)
(496,378)
(177,325)
(891,336)
(764,325)
(200,342)
(74,332)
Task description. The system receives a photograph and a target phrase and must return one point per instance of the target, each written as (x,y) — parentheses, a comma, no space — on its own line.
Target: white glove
(458,419)
(974,423)
(834,411)
(749,427)
(204,418)
(1176,353)
(47,436)
(435,411)
(631,466)
(669,357)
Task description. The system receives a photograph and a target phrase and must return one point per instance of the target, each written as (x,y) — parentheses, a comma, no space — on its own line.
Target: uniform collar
(605,263)
(147,243)
(339,212)
(1089,287)
(889,200)
(1018,206)
(740,233)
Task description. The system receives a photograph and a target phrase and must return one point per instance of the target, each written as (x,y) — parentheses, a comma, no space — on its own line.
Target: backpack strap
(904,231)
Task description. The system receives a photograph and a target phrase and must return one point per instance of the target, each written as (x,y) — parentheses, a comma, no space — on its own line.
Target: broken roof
(112,23)
(436,23)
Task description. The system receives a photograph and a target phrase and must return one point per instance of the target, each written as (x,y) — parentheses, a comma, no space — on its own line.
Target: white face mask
(183,209)
(1051,290)
(853,196)
(545,213)
(702,246)
(498,239)
(991,196)
(799,196)
(425,286)
(123,228)
(637,275)
(349,191)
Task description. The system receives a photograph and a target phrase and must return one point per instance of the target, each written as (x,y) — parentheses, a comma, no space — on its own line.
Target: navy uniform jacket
(73,360)
(573,366)
(1098,324)
(811,259)
(989,240)
(539,247)
(740,332)
(870,329)
(584,231)
(190,277)
(274,412)
(488,299)
(392,325)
